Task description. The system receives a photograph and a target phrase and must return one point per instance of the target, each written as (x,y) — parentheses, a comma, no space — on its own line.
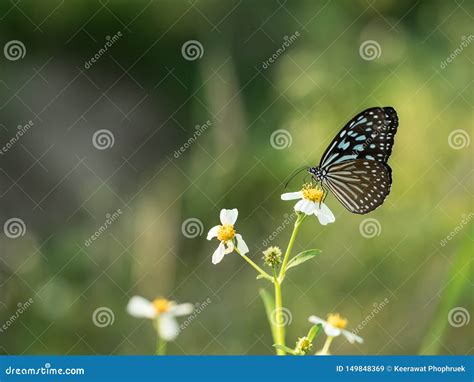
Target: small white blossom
(162,310)
(227,236)
(334,326)
(310,203)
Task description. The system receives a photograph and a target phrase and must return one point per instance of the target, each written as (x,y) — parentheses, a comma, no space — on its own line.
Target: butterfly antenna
(294,173)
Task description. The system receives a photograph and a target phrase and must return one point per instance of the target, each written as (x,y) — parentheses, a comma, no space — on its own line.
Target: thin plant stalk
(278,320)
(255,266)
(160,343)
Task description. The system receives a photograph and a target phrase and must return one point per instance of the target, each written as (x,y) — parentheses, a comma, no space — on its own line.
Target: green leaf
(301,257)
(269,304)
(259,277)
(284,348)
(314,331)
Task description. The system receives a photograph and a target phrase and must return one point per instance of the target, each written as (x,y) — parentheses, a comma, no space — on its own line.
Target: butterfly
(354,166)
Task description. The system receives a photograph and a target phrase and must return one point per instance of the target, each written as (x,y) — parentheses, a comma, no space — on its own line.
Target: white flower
(334,326)
(162,310)
(311,203)
(227,236)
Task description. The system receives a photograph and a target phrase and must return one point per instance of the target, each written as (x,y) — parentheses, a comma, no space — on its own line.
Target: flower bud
(272,256)
(303,346)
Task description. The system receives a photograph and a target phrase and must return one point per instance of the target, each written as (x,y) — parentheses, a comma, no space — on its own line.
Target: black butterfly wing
(360,185)
(369,135)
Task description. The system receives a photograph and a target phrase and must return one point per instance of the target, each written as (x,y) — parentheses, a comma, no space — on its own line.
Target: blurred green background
(151,95)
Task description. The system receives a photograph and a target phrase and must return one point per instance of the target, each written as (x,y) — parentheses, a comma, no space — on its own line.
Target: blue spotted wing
(354,166)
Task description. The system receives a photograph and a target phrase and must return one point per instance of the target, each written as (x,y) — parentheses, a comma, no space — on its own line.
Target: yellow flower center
(314,194)
(226,232)
(337,321)
(161,305)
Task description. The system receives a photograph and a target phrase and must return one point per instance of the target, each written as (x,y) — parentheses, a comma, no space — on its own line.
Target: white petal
(241,245)
(213,232)
(331,331)
(306,206)
(141,307)
(351,337)
(230,247)
(316,320)
(218,254)
(292,195)
(168,327)
(182,309)
(324,214)
(229,216)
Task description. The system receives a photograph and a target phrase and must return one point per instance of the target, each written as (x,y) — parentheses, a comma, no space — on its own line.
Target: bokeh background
(64,175)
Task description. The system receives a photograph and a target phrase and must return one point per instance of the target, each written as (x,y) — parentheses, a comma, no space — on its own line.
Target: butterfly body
(354,166)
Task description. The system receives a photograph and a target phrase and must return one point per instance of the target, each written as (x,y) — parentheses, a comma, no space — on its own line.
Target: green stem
(160,343)
(325,349)
(278,321)
(255,266)
(296,228)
